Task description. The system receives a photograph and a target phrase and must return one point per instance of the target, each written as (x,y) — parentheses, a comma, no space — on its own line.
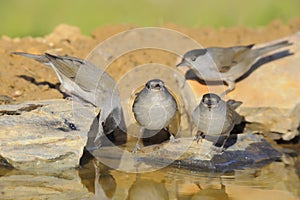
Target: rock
(247,150)
(4,99)
(49,135)
(32,185)
(243,150)
(275,180)
(283,121)
(271,93)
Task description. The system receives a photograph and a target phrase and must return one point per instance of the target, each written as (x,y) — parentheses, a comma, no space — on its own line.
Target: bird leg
(224,142)
(69,98)
(199,136)
(231,86)
(137,145)
(172,137)
(220,149)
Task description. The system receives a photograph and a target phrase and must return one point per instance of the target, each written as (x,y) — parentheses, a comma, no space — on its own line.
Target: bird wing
(138,96)
(70,66)
(66,65)
(240,52)
(226,58)
(234,105)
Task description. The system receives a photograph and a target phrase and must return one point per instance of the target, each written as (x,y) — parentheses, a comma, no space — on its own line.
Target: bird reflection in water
(148,190)
(211,194)
(98,180)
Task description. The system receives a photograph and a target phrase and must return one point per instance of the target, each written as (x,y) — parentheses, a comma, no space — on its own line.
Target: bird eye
(194,58)
(148,86)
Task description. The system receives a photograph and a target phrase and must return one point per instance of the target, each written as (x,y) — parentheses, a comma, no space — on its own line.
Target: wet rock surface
(31,185)
(243,150)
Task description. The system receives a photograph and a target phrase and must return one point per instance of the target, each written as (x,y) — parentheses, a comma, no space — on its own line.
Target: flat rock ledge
(245,150)
(51,135)
(48,135)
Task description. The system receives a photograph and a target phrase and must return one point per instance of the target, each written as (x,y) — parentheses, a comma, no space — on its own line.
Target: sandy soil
(23,79)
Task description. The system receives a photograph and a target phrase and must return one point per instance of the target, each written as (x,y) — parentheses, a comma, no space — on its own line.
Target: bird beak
(157,87)
(209,104)
(182,63)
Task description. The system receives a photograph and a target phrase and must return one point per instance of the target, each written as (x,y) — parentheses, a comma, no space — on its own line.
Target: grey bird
(154,108)
(87,83)
(215,119)
(225,63)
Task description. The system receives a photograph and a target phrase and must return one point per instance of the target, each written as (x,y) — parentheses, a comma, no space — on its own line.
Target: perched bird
(87,83)
(215,118)
(225,63)
(154,108)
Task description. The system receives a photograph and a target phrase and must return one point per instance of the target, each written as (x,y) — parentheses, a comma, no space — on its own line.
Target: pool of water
(278,180)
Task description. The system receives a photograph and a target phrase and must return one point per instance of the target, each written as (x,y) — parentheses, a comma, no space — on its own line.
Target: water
(278,180)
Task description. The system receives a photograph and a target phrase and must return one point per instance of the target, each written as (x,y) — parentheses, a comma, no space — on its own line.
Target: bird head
(210,100)
(155,85)
(191,56)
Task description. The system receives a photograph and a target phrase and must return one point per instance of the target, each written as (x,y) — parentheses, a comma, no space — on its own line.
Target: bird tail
(39,58)
(63,70)
(272,47)
(63,66)
(234,104)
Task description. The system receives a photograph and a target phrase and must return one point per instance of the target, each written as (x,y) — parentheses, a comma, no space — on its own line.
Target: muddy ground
(23,79)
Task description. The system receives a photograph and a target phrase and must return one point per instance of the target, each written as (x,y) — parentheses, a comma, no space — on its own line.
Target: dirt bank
(23,79)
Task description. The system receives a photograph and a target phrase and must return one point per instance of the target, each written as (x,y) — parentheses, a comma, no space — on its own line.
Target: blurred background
(36,18)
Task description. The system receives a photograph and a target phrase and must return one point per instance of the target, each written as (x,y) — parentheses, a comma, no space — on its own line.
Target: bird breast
(155,111)
(213,122)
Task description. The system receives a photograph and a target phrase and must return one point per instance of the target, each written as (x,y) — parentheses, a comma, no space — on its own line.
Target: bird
(87,83)
(154,107)
(226,63)
(214,119)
